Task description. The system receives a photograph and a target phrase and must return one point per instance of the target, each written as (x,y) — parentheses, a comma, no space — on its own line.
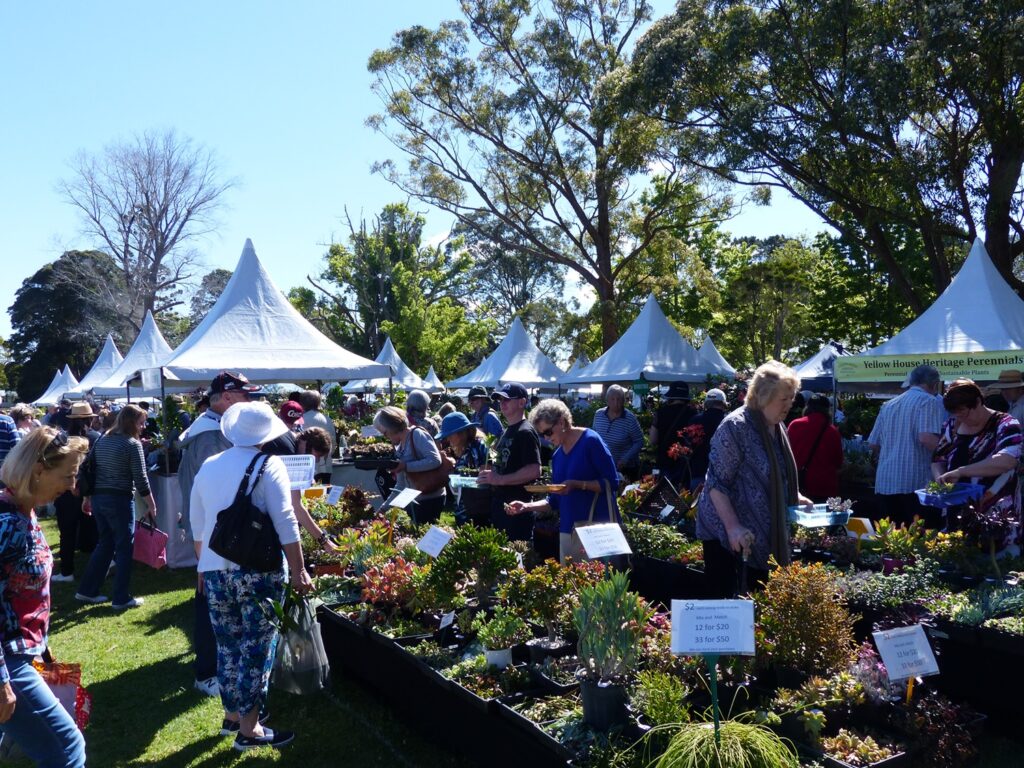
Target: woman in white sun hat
(236,595)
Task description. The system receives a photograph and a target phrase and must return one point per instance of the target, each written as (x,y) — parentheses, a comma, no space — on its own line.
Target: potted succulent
(848,749)
(901,545)
(610,620)
(499,633)
(471,562)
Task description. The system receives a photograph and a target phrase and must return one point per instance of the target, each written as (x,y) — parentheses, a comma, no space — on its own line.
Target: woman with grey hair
(416,452)
(581,465)
(751,482)
(620,430)
(417,410)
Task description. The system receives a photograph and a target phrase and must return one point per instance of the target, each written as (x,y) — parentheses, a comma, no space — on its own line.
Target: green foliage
(550,592)
(502,630)
(661,697)
(901,541)
(857,749)
(470,563)
(802,622)
(662,542)
(610,620)
(872,589)
(743,745)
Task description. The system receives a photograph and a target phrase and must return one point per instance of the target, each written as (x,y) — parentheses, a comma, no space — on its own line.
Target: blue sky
(278,91)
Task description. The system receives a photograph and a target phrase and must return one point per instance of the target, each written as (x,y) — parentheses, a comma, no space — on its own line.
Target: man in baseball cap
(517,464)
(227,381)
(291,414)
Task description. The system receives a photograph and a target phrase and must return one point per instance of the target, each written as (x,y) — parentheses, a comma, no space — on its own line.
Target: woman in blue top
(582,464)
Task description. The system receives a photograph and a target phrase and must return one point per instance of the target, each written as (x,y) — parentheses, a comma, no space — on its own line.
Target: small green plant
(938,489)
(904,542)
(662,542)
(471,562)
(549,593)
(661,697)
(803,623)
(743,745)
(856,749)
(610,620)
(503,630)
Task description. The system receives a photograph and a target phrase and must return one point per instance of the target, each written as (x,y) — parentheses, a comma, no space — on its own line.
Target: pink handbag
(150,545)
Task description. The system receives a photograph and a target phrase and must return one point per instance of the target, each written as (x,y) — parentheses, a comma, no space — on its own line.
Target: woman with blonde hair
(416,452)
(120,472)
(40,468)
(751,482)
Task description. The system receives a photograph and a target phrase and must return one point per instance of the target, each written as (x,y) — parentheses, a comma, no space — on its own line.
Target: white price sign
(603,540)
(335,495)
(434,541)
(712,627)
(668,510)
(401,499)
(906,652)
(447,620)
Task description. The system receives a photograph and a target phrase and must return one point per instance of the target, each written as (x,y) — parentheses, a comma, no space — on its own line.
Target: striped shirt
(120,465)
(9,436)
(904,465)
(623,436)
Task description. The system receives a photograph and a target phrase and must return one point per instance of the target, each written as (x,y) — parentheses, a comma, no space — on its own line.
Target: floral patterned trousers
(246,639)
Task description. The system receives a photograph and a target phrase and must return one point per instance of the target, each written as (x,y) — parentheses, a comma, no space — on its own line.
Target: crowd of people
(746,462)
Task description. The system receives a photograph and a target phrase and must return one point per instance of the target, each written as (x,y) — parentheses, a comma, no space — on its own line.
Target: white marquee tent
(255,330)
(434,385)
(816,371)
(106,363)
(62,383)
(516,358)
(404,377)
(148,352)
(709,352)
(650,346)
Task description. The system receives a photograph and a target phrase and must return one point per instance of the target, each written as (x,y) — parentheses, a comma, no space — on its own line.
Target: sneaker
(135,602)
(209,686)
(62,577)
(94,599)
(230,727)
(270,738)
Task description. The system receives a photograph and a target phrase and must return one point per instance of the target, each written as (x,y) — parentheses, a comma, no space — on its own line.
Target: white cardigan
(214,489)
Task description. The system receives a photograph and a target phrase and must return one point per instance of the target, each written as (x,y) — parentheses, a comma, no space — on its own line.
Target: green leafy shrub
(744,745)
(610,620)
(503,630)
(661,698)
(550,592)
(471,562)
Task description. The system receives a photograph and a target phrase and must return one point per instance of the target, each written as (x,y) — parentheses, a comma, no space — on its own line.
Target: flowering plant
(690,437)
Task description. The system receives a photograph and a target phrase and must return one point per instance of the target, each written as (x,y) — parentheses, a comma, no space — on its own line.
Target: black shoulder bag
(85,483)
(244,534)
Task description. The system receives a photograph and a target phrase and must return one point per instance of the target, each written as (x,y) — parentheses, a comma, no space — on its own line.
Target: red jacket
(822,473)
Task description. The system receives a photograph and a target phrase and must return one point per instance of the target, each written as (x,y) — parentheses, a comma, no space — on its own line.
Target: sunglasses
(57,442)
(549,431)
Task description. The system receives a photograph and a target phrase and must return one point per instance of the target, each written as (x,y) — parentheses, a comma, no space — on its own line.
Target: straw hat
(81,411)
(1009,379)
(249,424)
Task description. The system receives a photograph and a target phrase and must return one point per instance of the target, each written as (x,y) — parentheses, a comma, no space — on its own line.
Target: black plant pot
(541,648)
(604,706)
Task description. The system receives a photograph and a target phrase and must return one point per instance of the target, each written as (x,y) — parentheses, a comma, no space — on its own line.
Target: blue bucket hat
(452,423)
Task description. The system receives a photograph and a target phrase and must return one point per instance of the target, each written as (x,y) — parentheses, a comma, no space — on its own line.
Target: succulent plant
(610,620)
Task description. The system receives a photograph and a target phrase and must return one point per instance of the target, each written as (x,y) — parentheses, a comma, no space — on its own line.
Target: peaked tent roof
(254,329)
(106,363)
(978,312)
(62,383)
(518,359)
(708,351)
(651,346)
(148,351)
(433,382)
(816,371)
(403,378)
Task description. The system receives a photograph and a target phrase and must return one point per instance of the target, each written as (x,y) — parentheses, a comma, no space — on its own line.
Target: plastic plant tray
(961,494)
(819,517)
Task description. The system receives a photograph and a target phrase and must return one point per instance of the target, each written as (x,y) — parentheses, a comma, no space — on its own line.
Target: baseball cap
(477,391)
(226,381)
(290,413)
(714,396)
(510,391)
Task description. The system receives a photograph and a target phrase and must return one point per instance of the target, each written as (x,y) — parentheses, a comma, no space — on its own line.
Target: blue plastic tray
(961,494)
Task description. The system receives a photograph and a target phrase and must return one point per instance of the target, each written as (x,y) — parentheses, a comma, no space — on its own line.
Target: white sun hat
(249,424)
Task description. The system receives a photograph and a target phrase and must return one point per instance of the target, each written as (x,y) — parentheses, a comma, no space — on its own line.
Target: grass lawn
(138,666)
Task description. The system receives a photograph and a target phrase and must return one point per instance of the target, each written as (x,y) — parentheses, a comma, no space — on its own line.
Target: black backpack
(86,481)
(244,534)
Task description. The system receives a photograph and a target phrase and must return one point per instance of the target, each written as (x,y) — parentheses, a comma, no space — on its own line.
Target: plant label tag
(668,510)
(433,541)
(401,499)
(860,527)
(335,495)
(369,431)
(906,652)
(300,470)
(447,620)
(701,627)
(519,561)
(603,540)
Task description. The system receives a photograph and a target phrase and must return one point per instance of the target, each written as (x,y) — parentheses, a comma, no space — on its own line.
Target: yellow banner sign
(980,366)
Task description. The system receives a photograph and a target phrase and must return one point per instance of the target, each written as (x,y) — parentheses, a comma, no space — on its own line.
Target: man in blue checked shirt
(9,436)
(905,435)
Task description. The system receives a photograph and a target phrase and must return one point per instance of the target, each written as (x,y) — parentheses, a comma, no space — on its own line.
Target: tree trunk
(1006,164)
